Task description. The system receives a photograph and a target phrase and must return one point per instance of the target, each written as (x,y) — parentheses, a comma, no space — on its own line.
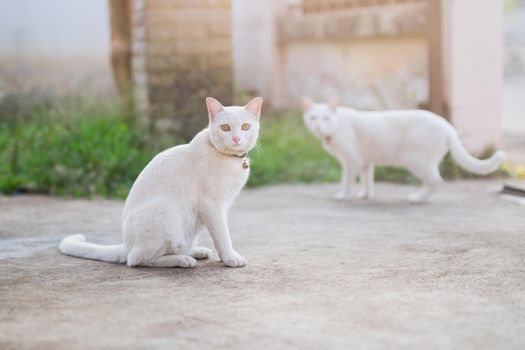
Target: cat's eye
(245,126)
(225,127)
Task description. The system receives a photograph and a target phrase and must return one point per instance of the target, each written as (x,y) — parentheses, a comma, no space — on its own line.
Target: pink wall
(474,69)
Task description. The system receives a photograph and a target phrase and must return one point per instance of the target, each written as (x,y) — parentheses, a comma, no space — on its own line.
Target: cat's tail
(76,245)
(470,163)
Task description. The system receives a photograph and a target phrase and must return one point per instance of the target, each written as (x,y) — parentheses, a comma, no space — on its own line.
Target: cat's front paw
(362,194)
(233,259)
(342,195)
(365,195)
(416,198)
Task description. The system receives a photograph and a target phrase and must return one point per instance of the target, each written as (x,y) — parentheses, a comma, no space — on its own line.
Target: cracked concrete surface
(321,274)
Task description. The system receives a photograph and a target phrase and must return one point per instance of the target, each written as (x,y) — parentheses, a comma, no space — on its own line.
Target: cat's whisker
(258,147)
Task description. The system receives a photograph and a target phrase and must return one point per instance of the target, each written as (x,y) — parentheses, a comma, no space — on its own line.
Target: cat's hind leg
(153,233)
(144,253)
(151,256)
(200,253)
(171,261)
(174,253)
(431,178)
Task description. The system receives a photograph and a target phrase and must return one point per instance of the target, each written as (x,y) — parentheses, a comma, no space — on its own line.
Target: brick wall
(182,52)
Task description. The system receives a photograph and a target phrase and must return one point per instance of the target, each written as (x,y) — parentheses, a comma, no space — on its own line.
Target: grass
(77,149)
(85,148)
(289,153)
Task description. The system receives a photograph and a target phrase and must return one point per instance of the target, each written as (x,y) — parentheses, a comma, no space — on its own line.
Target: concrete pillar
(256,53)
(436,96)
(473,69)
(182,52)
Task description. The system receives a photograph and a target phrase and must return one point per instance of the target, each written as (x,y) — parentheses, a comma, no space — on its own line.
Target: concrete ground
(514,147)
(321,274)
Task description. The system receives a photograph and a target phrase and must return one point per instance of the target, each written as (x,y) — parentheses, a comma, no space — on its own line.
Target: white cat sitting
(415,139)
(181,191)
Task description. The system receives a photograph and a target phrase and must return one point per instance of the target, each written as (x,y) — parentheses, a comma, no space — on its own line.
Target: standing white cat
(181,191)
(415,139)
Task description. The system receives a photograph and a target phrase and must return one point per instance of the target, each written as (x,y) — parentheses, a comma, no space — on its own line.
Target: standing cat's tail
(76,245)
(468,162)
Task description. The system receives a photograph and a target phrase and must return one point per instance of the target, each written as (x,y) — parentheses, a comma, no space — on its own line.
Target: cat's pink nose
(236,139)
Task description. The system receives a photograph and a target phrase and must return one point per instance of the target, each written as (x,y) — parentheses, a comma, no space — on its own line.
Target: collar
(244,157)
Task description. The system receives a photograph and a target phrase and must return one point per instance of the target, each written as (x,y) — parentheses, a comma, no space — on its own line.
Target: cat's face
(234,130)
(320,118)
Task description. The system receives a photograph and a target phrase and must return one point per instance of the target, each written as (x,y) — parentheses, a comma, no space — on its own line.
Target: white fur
(415,139)
(180,192)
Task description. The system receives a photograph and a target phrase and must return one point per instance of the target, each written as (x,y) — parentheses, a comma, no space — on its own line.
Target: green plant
(288,153)
(81,147)
(78,149)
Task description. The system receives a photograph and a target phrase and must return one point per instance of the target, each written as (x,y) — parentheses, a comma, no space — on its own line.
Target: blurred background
(91,90)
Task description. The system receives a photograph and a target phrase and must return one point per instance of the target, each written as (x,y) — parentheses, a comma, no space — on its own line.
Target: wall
(358,73)
(514,78)
(375,57)
(282,53)
(54,45)
(182,53)
(474,70)
(258,67)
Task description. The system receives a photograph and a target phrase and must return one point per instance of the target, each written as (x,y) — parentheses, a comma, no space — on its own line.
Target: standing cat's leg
(215,218)
(370,186)
(428,173)
(363,188)
(343,191)
(347,182)
(367,182)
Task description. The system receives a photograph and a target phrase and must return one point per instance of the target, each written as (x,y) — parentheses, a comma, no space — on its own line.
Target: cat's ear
(254,106)
(214,107)
(307,103)
(334,103)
